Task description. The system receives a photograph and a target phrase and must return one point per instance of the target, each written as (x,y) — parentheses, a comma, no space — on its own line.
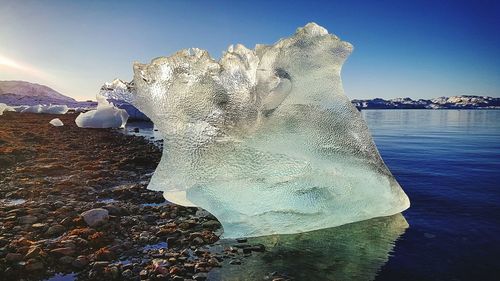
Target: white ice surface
(56,122)
(48,109)
(105,116)
(4,107)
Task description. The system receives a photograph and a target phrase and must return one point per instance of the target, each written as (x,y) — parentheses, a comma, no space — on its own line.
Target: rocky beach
(74,205)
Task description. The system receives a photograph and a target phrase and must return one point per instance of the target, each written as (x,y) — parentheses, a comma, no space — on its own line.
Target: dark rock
(28,219)
(235,262)
(34,265)
(200,276)
(55,230)
(13,257)
(66,260)
(80,262)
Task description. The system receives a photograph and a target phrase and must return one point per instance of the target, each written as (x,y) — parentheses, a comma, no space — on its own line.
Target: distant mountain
(454,102)
(26,93)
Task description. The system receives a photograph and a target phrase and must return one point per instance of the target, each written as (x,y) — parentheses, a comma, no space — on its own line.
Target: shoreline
(51,178)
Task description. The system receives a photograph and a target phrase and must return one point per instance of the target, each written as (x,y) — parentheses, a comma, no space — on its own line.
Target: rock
(174,270)
(241,240)
(211,224)
(235,262)
(100,264)
(39,226)
(198,241)
(213,262)
(127,274)
(67,251)
(33,252)
(55,230)
(34,265)
(200,276)
(13,257)
(28,219)
(95,217)
(143,274)
(80,262)
(258,248)
(113,210)
(66,260)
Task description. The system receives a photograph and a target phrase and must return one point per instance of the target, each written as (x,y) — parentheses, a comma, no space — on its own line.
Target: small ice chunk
(20,108)
(4,107)
(33,109)
(105,116)
(55,109)
(56,122)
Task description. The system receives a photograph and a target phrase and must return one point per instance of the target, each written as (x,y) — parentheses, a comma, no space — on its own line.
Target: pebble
(34,265)
(67,251)
(80,262)
(28,219)
(55,230)
(33,252)
(13,257)
(200,276)
(66,260)
(95,217)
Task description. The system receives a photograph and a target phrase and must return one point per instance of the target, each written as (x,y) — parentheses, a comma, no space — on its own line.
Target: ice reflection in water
(350,252)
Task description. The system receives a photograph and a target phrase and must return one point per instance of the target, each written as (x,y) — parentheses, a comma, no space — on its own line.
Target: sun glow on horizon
(4,61)
(8,63)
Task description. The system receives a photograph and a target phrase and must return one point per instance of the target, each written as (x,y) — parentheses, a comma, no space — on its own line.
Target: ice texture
(265,139)
(56,122)
(4,107)
(106,115)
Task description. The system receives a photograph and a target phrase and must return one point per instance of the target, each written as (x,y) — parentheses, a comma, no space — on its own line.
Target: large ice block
(265,139)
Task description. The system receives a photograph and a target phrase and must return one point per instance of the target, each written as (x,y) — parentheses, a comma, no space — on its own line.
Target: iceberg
(55,109)
(119,92)
(265,139)
(56,122)
(46,109)
(4,107)
(105,116)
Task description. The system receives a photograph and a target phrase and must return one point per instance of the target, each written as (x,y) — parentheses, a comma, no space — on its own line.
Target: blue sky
(419,49)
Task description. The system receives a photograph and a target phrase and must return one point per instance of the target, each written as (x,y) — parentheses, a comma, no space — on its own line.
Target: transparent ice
(265,139)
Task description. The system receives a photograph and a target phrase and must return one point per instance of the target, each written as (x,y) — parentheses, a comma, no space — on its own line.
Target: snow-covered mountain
(26,93)
(454,102)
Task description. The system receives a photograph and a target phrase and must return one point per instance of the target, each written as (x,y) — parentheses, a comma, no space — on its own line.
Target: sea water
(448,162)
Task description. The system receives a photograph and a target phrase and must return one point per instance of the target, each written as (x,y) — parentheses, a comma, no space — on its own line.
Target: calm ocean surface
(448,162)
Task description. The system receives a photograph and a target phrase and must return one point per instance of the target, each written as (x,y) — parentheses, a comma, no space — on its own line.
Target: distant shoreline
(453,102)
(437,109)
